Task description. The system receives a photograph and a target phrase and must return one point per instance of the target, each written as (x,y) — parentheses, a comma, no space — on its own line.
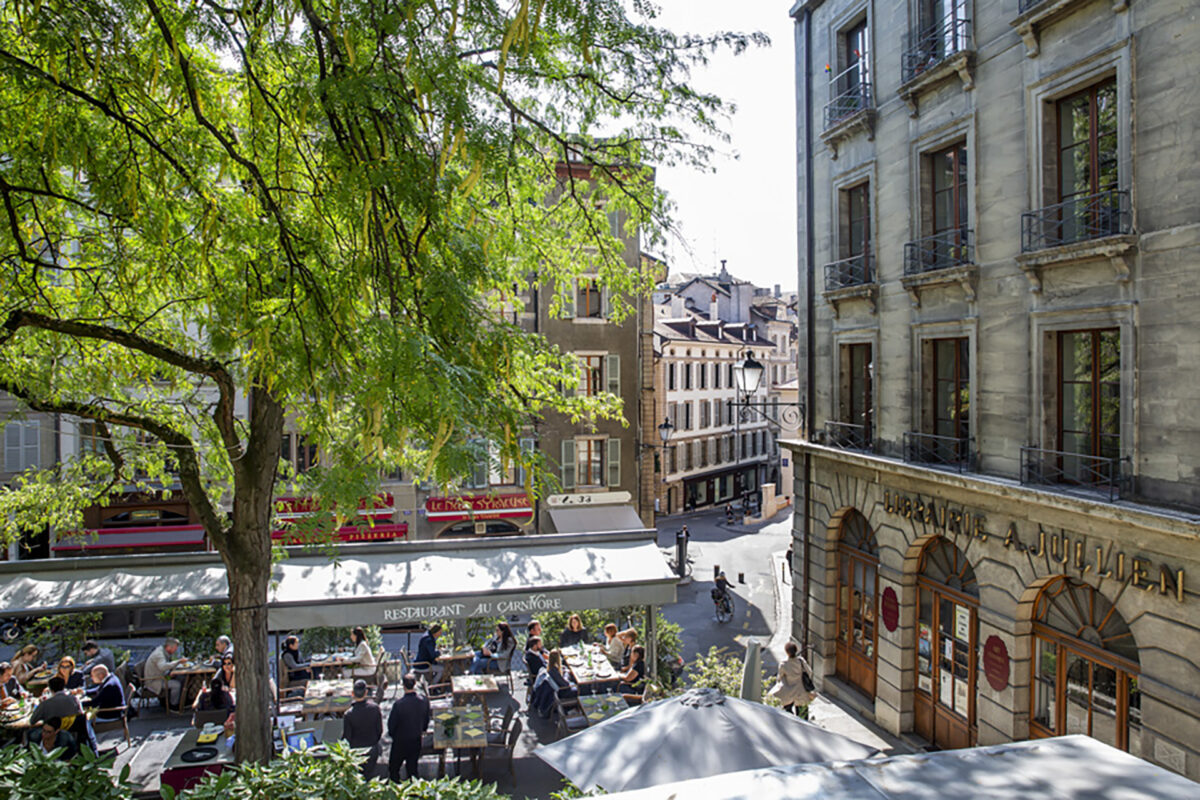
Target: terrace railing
(1079,219)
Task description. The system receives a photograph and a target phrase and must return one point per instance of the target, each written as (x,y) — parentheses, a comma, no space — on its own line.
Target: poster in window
(946,688)
(925,684)
(923,666)
(960,697)
(948,649)
(962,623)
(924,646)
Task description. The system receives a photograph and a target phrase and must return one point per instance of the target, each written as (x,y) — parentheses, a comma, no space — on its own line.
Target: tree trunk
(246,550)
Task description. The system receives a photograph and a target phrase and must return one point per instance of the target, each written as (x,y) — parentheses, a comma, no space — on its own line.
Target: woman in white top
(614,645)
(363,659)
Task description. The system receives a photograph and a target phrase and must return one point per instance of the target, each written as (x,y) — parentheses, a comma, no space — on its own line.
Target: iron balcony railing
(942,250)
(1079,219)
(927,48)
(1025,5)
(847,435)
(1061,468)
(850,92)
(941,451)
(853,271)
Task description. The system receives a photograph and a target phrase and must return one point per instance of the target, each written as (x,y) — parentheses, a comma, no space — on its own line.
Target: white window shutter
(614,462)
(12,446)
(568,464)
(33,444)
(605,303)
(612,367)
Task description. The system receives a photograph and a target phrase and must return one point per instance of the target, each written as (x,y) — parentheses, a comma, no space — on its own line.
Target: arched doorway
(857,602)
(1085,674)
(947,643)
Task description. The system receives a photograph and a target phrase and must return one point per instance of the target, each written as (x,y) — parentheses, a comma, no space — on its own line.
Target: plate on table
(40,675)
(197,754)
(319,657)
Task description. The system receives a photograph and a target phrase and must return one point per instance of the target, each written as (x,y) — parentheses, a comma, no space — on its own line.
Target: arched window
(947,644)
(1085,667)
(857,601)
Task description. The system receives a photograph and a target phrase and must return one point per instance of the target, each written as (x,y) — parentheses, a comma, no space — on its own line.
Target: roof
(1063,768)
(367,584)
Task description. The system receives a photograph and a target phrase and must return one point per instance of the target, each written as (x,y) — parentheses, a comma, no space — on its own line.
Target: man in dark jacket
(428,653)
(362,727)
(106,693)
(60,704)
(406,725)
(535,658)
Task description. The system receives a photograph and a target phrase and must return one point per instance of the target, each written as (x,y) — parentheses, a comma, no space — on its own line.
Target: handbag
(807,683)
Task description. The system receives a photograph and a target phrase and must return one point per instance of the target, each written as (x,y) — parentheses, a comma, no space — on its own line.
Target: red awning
(351,533)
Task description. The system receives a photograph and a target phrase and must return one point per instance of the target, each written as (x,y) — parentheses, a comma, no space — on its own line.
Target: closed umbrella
(696,734)
(752,673)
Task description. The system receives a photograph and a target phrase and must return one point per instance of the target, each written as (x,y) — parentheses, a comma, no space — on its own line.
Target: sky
(746,211)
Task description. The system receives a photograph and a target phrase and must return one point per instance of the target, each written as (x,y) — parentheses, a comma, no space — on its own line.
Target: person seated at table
(50,737)
(225,674)
(298,670)
(362,727)
(158,668)
(94,654)
(214,697)
(10,688)
(61,705)
(552,682)
(535,658)
(629,638)
(71,676)
(574,633)
(23,666)
(497,653)
(428,654)
(224,646)
(363,660)
(614,645)
(105,694)
(534,628)
(633,679)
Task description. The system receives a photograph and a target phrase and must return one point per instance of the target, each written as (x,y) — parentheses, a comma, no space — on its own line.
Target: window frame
(1094,384)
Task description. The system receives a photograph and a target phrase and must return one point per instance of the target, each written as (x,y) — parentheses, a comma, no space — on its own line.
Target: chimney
(713,313)
(676,306)
(778,293)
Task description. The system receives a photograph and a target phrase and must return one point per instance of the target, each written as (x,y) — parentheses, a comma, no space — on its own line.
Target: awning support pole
(652,640)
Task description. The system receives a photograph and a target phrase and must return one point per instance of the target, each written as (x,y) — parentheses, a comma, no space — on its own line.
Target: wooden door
(944,703)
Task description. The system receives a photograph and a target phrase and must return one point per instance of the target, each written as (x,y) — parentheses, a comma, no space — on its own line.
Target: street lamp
(748,376)
(665,430)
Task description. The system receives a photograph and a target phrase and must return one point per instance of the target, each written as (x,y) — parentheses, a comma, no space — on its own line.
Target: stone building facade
(998,502)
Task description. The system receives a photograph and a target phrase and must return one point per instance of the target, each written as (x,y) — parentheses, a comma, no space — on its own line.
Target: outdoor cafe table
(469,734)
(589,675)
(14,719)
(474,686)
(327,697)
(193,677)
(38,681)
(599,707)
(180,774)
(457,660)
(330,663)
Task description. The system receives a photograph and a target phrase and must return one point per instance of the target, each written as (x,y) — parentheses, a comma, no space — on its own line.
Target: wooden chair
(498,729)
(570,714)
(119,722)
(505,751)
(289,689)
(503,668)
(136,689)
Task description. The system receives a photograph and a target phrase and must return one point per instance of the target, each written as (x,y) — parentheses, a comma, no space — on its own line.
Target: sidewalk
(830,713)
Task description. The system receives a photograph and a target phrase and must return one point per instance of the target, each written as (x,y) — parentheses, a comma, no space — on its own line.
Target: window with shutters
(589,462)
(718,410)
(702,377)
(588,300)
(22,445)
(478,477)
(704,418)
(672,459)
(716,373)
(687,376)
(568,463)
(590,373)
(528,448)
(613,455)
(687,456)
(687,415)
(671,377)
(90,442)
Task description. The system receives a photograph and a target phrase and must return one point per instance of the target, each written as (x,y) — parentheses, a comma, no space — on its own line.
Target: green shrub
(721,669)
(63,634)
(197,627)
(26,773)
(301,776)
(328,640)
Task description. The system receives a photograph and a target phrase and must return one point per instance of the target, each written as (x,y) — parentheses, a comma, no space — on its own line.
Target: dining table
(185,767)
(590,667)
(332,664)
(480,686)
(599,707)
(38,681)
(327,697)
(193,677)
(15,718)
(457,659)
(463,729)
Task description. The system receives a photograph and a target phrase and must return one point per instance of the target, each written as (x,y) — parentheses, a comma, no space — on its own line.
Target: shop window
(1085,678)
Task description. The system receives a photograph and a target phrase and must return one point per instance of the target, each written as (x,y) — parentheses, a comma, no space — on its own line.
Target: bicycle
(723,601)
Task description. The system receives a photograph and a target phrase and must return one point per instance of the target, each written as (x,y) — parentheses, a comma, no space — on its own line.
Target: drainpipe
(810,333)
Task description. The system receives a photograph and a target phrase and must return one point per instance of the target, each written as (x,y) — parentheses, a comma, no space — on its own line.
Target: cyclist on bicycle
(722,598)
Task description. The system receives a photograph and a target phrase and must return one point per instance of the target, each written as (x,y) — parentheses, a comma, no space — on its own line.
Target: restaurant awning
(368,584)
(575,519)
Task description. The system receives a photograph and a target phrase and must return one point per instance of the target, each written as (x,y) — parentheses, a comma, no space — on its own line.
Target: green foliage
(721,669)
(570,791)
(197,627)
(327,639)
(63,634)
(26,773)
(300,776)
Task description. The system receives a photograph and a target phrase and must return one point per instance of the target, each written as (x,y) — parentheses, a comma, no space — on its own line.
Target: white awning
(577,519)
(366,584)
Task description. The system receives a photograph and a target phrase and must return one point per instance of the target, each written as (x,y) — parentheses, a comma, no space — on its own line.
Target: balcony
(851,278)
(937,52)
(851,108)
(944,258)
(1033,15)
(848,436)
(1088,227)
(938,451)
(1091,475)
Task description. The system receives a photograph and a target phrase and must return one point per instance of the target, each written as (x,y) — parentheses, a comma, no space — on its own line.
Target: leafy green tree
(63,634)
(26,773)
(216,215)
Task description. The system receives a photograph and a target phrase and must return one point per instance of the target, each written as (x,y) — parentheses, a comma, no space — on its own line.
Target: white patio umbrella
(699,733)
(752,673)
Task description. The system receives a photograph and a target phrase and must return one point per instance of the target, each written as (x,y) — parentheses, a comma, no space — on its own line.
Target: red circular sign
(889,608)
(995,663)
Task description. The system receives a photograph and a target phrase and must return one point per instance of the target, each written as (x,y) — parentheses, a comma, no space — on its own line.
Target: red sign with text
(996,663)
(479,506)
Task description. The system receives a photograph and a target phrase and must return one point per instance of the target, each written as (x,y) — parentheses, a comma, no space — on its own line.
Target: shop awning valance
(372,584)
(575,519)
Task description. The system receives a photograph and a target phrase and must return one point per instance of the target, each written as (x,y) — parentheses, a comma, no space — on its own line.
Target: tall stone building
(1000,238)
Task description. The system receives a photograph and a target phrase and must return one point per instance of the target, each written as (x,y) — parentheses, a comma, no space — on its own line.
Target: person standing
(362,727)
(794,688)
(406,725)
